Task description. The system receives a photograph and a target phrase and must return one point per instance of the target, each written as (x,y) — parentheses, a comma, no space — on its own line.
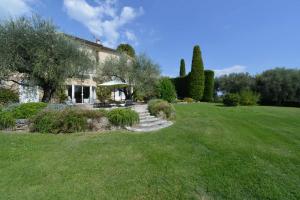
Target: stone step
(147,117)
(151,128)
(155,123)
(152,119)
(144,114)
(147,121)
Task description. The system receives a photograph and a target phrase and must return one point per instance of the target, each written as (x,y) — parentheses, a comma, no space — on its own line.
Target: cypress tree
(196,79)
(208,86)
(182,68)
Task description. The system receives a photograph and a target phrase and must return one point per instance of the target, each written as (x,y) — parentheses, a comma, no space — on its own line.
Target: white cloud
(131,37)
(103,20)
(14,8)
(229,70)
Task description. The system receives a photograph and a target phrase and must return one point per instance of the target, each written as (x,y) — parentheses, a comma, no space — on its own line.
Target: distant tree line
(279,86)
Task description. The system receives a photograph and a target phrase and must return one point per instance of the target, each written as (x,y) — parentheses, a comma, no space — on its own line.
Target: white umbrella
(114,83)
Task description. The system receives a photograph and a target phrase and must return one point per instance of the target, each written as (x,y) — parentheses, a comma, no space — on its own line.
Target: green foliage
(123,117)
(103,93)
(8,96)
(279,86)
(196,78)
(6,120)
(141,73)
(182,68)
(91,114)
(64,121)
(158,107)
(181,86)
(60,94)
(166,90)
(231,99)
(234,83)
(208,86)
(127,49)
(188,100)
(44,56)
(27,110)
(248,98)
(46,122)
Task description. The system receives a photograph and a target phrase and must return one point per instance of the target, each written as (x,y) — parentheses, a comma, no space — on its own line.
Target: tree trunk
(127,93)
(48,92)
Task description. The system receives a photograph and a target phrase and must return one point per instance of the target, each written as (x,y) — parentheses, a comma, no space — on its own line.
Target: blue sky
(234,35)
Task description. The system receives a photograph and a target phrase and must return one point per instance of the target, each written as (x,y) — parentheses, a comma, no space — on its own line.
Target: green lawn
(212,152)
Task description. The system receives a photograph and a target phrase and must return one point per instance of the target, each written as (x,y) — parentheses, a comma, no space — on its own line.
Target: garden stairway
(147,121)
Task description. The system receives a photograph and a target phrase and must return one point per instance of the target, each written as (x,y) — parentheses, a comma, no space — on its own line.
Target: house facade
(78,90)
(84,90)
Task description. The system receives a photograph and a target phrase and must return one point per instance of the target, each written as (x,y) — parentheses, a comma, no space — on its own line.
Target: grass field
(212,152)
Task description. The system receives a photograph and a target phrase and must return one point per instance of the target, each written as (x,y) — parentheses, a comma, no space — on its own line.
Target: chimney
(98,41)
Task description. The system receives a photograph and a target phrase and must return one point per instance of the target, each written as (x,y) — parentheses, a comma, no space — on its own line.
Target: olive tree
(279,86)
(234,83)
(35,49)
(140,73)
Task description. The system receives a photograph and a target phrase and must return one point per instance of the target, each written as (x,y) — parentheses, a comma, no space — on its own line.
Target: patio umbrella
(115,84)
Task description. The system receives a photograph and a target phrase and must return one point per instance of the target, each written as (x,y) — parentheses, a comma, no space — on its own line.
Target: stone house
(78,90)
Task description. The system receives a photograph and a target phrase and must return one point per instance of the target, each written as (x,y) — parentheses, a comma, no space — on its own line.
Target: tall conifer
(196,79)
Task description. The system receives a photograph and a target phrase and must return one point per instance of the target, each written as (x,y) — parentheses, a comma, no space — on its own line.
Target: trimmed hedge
(158,107)
(231,99)
(181,86)
(166,90)
(8,96)
(123,117)
(208,86)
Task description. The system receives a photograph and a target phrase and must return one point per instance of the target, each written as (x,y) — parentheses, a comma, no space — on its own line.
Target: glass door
(78,94)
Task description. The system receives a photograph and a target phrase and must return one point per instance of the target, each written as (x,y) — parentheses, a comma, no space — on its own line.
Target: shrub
(27,110)
(166,90)
(158,106)
(65,121)
(123,117)
(209,86)
(248,98)
(188,100)
(46,122)
(73,121)
(231,99)
(6,120)
(196,77)
(8,96)
(91,114)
